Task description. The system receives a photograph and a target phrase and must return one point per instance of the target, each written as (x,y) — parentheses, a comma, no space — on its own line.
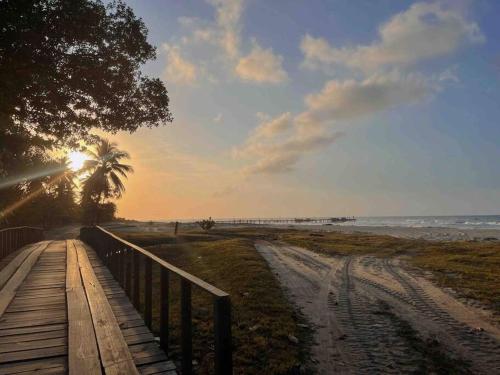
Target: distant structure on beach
(308,220)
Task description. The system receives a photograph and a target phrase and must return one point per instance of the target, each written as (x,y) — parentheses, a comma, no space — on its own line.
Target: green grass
(262,317)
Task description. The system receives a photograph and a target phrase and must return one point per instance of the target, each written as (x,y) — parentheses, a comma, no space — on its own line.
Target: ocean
(460,222)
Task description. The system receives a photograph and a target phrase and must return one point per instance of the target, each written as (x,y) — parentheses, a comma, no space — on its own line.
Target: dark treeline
(68,68)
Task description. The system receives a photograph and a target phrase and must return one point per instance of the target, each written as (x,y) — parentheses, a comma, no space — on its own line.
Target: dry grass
(262,317)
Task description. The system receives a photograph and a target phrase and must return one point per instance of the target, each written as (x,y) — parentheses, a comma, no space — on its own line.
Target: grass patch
(470,268)
(263,319)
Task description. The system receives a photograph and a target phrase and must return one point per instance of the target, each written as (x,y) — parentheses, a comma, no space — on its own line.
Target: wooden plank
(33,354)
(33,336)
(156,368)
(33,323)
(139,339)
(34,366)
(10,288)
(83,355)
(19,331)
(12,267)
(36,344)
(115,355)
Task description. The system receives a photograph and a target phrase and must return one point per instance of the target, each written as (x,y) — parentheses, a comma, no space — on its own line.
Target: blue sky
(297,108)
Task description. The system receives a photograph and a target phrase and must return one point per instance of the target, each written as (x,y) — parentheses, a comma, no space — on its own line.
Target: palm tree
(106,173)
(62,189)
(63,180)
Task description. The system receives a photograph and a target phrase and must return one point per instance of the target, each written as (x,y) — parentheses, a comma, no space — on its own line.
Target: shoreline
(423,233)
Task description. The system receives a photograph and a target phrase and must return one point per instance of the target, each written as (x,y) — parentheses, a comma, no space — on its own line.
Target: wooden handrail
(124,261)
(182,274)
(12,239)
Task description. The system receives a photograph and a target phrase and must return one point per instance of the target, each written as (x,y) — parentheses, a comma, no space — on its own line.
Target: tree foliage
(206,224)
(67,67)
(104,181)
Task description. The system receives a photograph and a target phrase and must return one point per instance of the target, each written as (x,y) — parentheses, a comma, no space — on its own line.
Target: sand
(357,306)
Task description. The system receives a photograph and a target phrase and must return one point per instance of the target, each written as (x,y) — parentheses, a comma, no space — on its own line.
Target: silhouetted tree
(206,224)
(67,67)
(105,178)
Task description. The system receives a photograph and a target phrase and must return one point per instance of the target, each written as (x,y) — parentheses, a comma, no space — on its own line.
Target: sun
(76,160)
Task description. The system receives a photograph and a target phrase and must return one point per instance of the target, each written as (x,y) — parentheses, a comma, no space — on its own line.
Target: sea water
(461,222)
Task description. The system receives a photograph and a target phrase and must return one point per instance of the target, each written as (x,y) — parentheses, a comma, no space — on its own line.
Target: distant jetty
(301,220)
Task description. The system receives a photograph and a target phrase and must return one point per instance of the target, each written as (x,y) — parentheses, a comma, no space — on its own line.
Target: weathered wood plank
(13,265)
(35,344)
(156,368)
(83,355)
(9,289)
(115,355)
(34,366)
(32,336)
(33,354)
(19,331)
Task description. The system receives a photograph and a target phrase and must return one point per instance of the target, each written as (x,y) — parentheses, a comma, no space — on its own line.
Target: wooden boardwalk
(62,312)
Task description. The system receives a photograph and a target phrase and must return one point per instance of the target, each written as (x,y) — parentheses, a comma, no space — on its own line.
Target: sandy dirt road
(362,307)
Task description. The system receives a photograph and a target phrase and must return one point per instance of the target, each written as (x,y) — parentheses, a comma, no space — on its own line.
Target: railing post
(148,292)
(128,270)
(164,308)
(137,281)
(186,329)
(119,263)
(222,330)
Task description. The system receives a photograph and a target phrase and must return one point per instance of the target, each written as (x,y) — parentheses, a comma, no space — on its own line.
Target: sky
(319,108)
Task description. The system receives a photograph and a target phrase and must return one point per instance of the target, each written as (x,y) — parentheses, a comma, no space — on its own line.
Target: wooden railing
(12,239)
(125,260)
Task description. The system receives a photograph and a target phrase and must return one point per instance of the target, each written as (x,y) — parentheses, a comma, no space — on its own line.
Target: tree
(67,66)
(62,187)
(206,224)
(106,173)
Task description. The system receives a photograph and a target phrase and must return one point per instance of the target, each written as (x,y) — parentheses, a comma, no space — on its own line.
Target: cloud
(265,133)
(273,127)
(217,119)
(262,66)
(228,15)
(341,100)
(424,31)
(218,44)
(178,69)
(449,74)
(284,156)
(277,144)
